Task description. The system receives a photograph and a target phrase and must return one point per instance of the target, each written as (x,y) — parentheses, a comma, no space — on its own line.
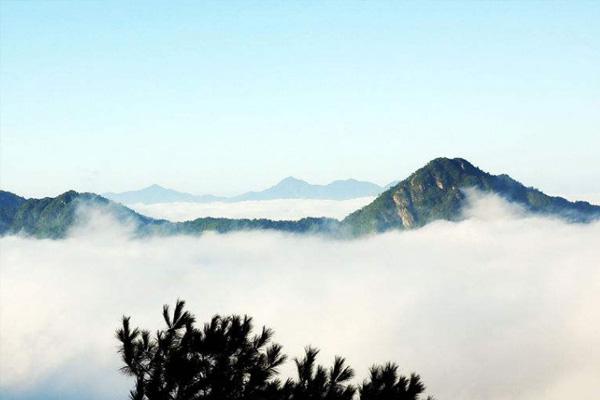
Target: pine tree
(225,360)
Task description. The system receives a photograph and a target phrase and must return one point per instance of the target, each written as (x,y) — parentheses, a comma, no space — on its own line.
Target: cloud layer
(283,209)
(499,306)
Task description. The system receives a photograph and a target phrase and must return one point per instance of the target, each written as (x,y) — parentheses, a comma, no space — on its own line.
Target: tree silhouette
(315,382)
(221,361)
(384,383)
(225,360)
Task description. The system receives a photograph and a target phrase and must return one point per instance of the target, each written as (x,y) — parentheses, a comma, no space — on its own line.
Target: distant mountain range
(434,192)
(288,188)
(158,194)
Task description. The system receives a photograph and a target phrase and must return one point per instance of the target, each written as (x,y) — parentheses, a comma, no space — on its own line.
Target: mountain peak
(435,192)
(69,196)
(451,163)
(349,180)
(290,180)
(154,186)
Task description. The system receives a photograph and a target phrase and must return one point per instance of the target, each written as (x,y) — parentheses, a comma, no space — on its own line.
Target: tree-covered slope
(54,217)
(224,225)
(9,204)
(436,192)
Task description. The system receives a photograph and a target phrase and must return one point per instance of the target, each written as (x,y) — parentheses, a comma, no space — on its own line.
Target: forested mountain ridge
(53,217)
(434,192)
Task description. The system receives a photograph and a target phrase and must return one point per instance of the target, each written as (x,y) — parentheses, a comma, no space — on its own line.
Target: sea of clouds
(280,209)
(498,306)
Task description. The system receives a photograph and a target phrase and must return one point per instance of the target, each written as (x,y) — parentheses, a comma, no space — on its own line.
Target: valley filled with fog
(499,306)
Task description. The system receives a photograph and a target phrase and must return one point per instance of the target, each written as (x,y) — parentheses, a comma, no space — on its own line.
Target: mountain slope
(435,192)
(54,217)
(9,204)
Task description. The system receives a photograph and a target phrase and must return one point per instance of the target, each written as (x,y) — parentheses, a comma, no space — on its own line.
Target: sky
(225,97)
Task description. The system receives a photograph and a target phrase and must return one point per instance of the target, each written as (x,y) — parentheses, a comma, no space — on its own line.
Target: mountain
(53,217)
(292,188)
(158,194)
(435,192)
(288,188)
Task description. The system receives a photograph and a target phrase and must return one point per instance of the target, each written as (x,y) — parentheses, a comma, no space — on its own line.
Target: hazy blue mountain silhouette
(158,194)
(293,188)
(288,188)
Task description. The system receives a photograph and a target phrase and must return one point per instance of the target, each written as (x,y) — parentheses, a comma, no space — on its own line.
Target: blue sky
(224,97)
